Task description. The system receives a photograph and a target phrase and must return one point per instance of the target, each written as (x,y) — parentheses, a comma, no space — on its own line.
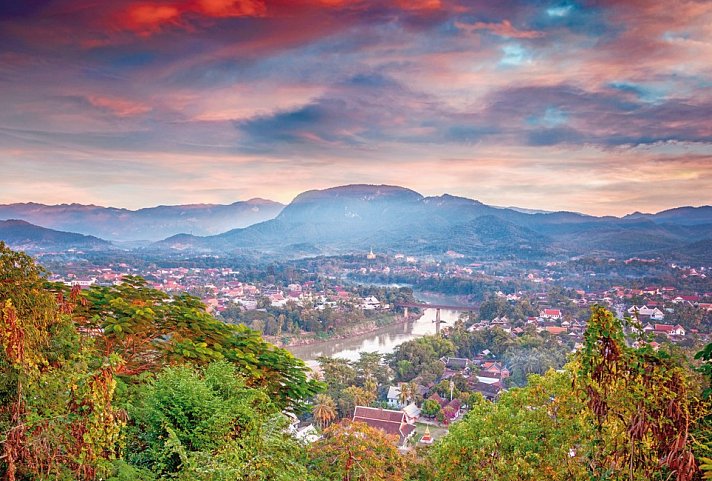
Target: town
(529,318)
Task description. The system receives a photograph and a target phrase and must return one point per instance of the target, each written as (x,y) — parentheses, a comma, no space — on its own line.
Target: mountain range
(355,218)
(390,218)
(150,224)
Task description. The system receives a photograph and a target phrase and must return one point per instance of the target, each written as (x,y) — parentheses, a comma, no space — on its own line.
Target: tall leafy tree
(353,451)
(641,402)
(704,429)
(529,434)
(56,408)
(150,329)
(207,424)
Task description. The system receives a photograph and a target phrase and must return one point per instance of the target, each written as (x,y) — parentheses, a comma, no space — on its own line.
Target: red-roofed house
(550,314)
(556,330)
(436,397)
(663,328)
(669,330)
(392,422)
(494,369)
(452,409)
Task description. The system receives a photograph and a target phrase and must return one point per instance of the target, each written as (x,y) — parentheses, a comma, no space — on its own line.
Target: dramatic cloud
(600,107)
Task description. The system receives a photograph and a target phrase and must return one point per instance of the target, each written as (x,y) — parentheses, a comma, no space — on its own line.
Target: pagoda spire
(427,438)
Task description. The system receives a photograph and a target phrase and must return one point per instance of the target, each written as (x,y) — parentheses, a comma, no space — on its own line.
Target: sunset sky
(602,107)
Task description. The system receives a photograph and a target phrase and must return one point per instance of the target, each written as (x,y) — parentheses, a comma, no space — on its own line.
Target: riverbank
(368,327)
(383,340)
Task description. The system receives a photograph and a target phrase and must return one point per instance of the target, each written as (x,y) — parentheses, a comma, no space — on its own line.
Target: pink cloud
(119,107)
(503,29)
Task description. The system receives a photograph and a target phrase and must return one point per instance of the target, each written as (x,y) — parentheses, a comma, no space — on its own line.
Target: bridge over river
(437,307)
(385,339)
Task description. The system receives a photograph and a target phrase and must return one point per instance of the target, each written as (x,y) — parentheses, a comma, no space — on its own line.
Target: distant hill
(22,235)
(678,216)
(390,218)
(150,224)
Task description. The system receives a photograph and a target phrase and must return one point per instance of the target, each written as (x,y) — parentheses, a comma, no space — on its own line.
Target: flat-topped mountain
(152,224)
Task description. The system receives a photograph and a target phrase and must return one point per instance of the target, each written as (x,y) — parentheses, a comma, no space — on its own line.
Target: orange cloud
(230,8)
(145,17)
(419,4)
(148,18)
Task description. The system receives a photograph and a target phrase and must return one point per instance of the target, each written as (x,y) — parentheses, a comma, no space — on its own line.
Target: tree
(354,396)
(404,393)
(370,366)
(370,385)
(150,329)
(430,408)
(206,424)
(324,410)
(640,401)
(703,431)
(526,435)
(417,356)
(338,373)
(628,417)
(56,410)
(413,392)
(353,451)
(524,360)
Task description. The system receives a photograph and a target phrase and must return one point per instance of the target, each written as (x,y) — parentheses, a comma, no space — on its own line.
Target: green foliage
(56,415)
(353,383)
(355,452)
(420,357)
(534,355)
(207,424)
(496,306)
(430,408)
(123,471)
(202,400)
(628,418)
(150,329)
(470,344)
(526,435)
(323,410)
(705,356)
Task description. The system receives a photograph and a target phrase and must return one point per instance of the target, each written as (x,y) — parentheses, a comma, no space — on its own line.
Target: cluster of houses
(651,315)
(549,320)
(403,414)
(222,289)
(489,380)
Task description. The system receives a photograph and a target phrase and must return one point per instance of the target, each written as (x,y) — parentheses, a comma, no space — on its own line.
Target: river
(383,340)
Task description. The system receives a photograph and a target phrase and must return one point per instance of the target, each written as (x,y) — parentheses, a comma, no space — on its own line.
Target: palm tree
(404,393)
(370,384)
(324,410)
(412,391)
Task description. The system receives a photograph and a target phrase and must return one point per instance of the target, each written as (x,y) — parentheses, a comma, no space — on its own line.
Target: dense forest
(128,383)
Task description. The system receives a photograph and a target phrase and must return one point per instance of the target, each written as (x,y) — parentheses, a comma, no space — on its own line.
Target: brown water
(383,341)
